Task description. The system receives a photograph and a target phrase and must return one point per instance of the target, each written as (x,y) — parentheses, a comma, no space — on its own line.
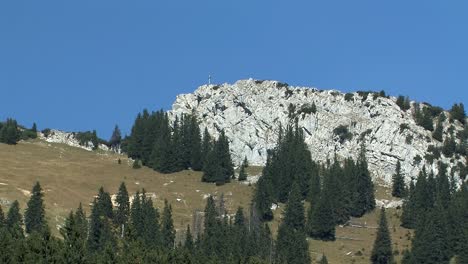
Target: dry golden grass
(70,175)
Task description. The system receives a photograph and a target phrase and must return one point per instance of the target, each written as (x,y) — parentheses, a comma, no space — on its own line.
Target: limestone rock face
(251,112)
(57,136)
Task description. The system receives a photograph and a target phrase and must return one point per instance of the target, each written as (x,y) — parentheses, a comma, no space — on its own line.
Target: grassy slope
(71,175)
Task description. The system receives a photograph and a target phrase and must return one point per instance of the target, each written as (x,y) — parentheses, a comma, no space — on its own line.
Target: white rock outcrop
(68,138)
(251,112)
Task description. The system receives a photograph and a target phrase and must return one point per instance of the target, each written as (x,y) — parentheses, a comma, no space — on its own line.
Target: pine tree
(398,182)
(263,197)
(382,250)
(242,173)
(94,140)
(438,131)
(14,221)
(9,132)
(292,246)
(123,207)
(430,239)
(188,244)
(116,138)
(319,225)
(167,226)
(196,158)
(408,217)
(34,216)
(74,239)
(365,201)
(246,162)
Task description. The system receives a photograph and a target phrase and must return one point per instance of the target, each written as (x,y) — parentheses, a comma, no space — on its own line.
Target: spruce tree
(430,239)
(242,173)
(292,246)
(398,182)
(34,216)
(438,131)
(123,207)
(365,201)
(2,218)
(74,240)
(167,226)
(94,140)
(196,156)
(319,224)
(14,221)
(188,244)
(408,218)
(382,250)
(116,138)
(263,197)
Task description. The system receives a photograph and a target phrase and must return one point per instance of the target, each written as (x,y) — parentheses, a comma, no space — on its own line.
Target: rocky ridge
(251,112)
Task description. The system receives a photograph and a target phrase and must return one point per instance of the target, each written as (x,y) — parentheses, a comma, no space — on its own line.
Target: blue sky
(83,65)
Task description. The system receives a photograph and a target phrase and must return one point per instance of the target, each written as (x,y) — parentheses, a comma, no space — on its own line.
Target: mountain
(252,111)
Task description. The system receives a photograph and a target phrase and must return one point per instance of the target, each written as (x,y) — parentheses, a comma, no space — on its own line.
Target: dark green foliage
(423,117)
(292,246)
(398,182)
(382,250)
(116,138)
(74,234)
(2,218)
(9,132)
(449,147)
(307,109)
(122,211)
(343,133)
(319,225)
(188,244)
(403,102)
(363,200)
(34,216)
(438,131)
(430,240)
(100,226)
(218,165)
(84,138)
(167,226)
(136,164)
(348,97)
(145,221)
(263,197)
(29,133)
(458,113)
(14,221)
(166,147)
(242,173)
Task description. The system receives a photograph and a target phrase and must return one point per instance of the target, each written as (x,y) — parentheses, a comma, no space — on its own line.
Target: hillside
(70,175)
(251,112)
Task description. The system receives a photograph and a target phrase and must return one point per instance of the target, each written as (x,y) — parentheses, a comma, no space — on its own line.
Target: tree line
(169,147)
(134,232)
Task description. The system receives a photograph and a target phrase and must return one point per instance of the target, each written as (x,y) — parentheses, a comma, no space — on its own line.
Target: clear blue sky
(82,65)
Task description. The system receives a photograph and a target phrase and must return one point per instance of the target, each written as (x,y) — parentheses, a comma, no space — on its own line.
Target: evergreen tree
(14,221)
(188,239)
(458,112)
(9,132)
(319,224)
(206,146)
(292,246)
(196,158)
(34,216)
(2,218)
(167,226)
(94,140)
(116,138)
(74,239)
(242,173)
(364,201)
(429,243)
(438,131)
(123,207)
(382,250)
(408,217)
(263,197)
(398,182)
(246,162)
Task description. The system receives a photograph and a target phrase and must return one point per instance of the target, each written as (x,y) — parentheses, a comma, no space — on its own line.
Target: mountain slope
(251,113)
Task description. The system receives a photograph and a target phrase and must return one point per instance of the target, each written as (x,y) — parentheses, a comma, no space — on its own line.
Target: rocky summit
(335,124)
